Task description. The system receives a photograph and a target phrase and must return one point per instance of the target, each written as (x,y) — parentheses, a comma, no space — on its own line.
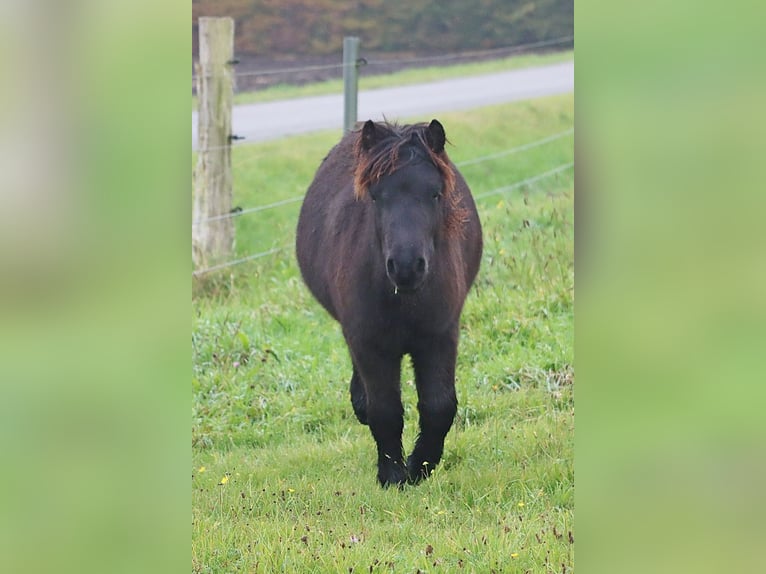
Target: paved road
(421,102)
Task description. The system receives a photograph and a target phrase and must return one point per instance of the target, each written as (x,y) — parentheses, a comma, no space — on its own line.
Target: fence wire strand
(516,149)
(550,172)
(404,61)
(476,53)
(205,270)
(246,160)
(239,212)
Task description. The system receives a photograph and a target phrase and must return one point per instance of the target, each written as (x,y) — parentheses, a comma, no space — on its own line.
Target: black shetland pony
(389,242)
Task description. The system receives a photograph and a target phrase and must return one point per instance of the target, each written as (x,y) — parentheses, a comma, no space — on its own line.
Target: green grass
(270,408)
(369,80)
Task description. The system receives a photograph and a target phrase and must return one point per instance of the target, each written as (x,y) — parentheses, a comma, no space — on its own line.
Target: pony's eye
(436,195)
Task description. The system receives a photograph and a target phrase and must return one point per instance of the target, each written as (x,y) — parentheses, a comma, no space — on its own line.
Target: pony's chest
(410,318)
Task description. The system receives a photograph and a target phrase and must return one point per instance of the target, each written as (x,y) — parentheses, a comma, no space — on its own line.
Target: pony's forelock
(373,164)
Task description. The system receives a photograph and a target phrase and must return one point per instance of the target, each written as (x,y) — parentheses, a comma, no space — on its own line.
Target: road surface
(420,102)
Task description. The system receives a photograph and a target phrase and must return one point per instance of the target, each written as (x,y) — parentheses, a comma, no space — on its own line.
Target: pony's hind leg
(434,367)
(358,397)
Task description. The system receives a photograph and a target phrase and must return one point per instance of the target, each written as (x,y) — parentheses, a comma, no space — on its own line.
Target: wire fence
(403,62)
(464,163)
(400,62)
(497,191)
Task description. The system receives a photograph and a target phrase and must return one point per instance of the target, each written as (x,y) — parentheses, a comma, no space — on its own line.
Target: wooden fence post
(350,81)
(212,229)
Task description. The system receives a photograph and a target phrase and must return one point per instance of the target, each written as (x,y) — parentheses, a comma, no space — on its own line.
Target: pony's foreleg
(385,413)
(434,365)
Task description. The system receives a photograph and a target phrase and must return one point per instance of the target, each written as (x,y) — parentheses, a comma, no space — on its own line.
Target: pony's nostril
(421,265)
(390,266)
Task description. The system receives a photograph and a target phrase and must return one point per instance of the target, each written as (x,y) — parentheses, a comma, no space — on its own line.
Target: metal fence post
(350,81)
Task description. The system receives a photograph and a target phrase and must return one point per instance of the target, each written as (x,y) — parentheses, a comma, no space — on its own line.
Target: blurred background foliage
(316,27)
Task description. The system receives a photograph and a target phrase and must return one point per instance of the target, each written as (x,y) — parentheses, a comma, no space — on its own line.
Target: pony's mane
(383,159)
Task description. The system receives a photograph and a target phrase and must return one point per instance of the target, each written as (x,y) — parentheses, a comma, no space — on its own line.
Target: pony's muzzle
(406,272)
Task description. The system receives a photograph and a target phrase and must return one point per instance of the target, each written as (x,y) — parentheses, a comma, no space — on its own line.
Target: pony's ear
(369,135)
(435,136)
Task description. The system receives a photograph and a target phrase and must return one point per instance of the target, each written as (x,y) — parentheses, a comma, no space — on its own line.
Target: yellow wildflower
(225,479)
(514,554)
(201,469)
(521,505)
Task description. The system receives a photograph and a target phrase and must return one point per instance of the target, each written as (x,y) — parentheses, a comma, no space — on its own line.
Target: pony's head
(406,175)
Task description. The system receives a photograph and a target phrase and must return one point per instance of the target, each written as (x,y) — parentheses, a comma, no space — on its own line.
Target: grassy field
(369,80)
(283,477)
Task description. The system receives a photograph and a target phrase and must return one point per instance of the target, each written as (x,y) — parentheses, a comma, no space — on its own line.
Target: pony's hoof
(418,471)
(393,475)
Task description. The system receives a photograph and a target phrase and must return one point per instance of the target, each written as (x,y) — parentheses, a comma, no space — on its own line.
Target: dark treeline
(289,28)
